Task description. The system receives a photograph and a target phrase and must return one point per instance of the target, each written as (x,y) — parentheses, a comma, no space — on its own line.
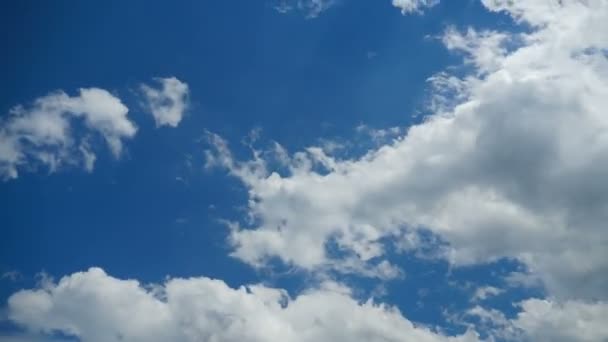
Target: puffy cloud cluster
(549,321)
(544,320)
(167,104)
(95,307)
(511,164)
(58,129)
(45,133)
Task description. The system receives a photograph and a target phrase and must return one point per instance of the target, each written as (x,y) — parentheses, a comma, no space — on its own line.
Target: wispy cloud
(310,8)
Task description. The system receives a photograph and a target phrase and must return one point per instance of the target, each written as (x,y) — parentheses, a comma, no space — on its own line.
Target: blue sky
(420,155)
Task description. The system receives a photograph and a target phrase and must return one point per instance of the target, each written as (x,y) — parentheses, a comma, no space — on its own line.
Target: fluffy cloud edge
(496,171)
(166,104)
(546,320)
(45,134)
(414,6)
(96,307)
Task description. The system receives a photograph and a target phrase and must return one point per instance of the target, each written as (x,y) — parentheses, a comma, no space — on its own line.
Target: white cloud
(98,308)
(311,8)
(167,104)
(484,50)
(545,320)
(513,168)
(549,321)
(409,6)
(47,132)
(485,292)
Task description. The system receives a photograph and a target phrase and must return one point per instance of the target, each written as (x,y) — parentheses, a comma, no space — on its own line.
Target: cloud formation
(310,8)
(413,6)
(313,8)
(167,104)
(549,321)
(48,133)
(96,307)
(546,320)
(509,165)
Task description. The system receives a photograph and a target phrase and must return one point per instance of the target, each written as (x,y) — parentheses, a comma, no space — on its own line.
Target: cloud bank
(95,307)
(509,165)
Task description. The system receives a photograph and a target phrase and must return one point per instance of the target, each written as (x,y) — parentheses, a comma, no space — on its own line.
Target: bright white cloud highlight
(96,307)
(48,133)
(168,103)
(511,164)
(410,6)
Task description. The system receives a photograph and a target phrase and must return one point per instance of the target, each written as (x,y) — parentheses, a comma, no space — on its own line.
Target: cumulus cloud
(167,104)
(48,132)
(410,6)
(510,164)
(96,307)
(550,321)
(546,320)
